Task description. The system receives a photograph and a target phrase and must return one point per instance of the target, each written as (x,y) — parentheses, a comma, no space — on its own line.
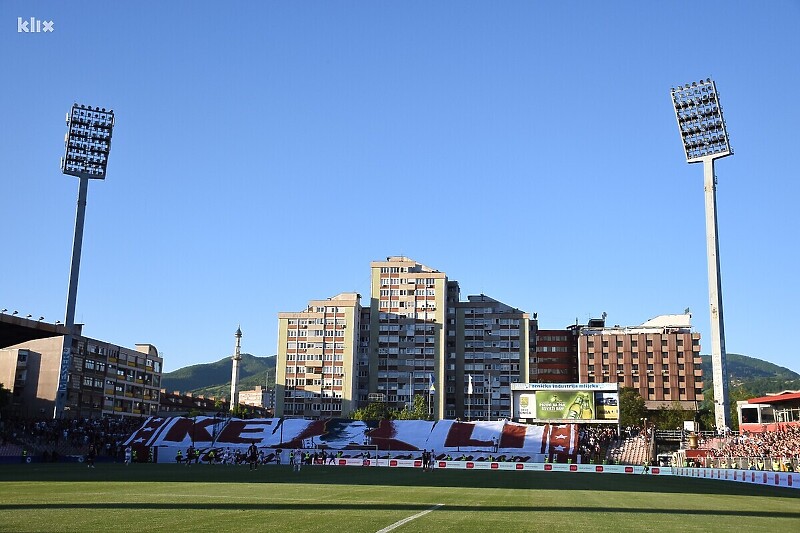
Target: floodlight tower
(705,139)
(88,143)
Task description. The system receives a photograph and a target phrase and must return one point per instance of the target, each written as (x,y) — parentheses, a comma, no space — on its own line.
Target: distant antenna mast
(237,359)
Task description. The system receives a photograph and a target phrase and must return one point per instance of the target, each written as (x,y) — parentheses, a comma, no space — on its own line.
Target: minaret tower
(237,358)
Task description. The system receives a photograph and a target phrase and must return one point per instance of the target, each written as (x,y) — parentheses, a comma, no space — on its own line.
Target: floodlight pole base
(718,357)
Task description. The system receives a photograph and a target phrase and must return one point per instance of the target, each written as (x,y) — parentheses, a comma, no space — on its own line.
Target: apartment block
(408,307)
(104,378)
(660,358)
(316,362)
(490,344)
(257,397)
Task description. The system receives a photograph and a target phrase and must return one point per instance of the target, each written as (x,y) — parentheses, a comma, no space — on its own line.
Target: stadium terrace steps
(10,450)
(630,451)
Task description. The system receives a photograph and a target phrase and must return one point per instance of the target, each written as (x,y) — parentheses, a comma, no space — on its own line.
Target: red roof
(776,398)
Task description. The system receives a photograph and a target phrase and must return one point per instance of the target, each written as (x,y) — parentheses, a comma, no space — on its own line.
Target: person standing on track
(90,456)
(252,456)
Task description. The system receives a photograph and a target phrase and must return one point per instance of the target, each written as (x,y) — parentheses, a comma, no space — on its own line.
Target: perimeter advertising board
(565,402)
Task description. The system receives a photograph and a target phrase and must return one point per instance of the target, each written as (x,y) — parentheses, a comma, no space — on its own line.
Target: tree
(631,407)
(372,411)
(240,411)
(735,393)
(5,398)
(672,417)
(418,410)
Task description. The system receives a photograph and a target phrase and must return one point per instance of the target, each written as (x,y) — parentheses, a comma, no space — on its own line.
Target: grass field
(112,497)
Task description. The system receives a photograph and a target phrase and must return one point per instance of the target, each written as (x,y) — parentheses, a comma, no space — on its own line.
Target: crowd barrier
(494,465)
(757,477)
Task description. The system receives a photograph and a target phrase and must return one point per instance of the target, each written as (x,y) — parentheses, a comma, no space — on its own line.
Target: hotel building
(660,358)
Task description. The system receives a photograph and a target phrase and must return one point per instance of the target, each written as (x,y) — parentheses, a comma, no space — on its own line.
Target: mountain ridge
(214,379)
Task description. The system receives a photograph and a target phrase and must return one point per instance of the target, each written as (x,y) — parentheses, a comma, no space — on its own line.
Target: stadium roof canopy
(16,330)
(781,397)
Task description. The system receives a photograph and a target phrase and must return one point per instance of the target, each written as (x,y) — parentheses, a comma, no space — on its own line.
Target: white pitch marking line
(409,519)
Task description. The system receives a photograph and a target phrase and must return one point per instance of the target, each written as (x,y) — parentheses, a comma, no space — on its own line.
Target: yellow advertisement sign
(564,405)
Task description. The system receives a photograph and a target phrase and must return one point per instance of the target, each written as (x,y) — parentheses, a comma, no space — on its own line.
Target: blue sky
(265,152)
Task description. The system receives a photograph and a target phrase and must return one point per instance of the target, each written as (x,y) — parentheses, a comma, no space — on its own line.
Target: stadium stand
(776,450)
(50,439)
(635,449)
(595,443)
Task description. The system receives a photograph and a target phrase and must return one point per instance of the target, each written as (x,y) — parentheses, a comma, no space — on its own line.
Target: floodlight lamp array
(700,120)
(88,142)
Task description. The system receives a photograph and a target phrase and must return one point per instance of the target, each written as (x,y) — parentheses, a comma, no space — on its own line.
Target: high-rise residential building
(362,359)
(417,338)
(317,353)
(407,325)
(556,359)
(660,358)
(104,378)
(490,346)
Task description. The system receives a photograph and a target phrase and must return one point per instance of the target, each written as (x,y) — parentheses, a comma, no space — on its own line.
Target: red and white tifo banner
(493,465)
(758,477)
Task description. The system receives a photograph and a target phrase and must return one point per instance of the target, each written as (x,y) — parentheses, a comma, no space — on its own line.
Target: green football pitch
(151,497)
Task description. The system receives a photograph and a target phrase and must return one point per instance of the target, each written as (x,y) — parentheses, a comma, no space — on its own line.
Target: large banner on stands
(473,440)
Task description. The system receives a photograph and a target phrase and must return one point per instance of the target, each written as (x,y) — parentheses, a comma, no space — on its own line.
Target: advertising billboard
(564,405)
(565,402)
(527,405)
(607,405)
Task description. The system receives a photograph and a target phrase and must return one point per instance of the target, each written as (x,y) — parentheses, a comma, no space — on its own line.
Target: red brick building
(660,358)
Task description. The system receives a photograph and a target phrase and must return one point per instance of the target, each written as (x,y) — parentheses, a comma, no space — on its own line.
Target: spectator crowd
(68,436)
(785,442)
(594,441)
